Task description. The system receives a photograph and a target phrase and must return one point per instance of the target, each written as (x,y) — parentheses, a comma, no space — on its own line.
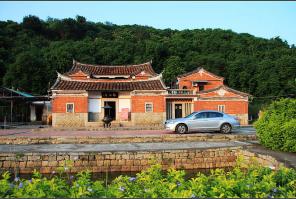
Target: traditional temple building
(136,95)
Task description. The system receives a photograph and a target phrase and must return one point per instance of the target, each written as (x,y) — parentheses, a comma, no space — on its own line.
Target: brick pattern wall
(187,81)
(62,119)
(231,107)
(138,114)
(148,119)
(80,104)
(69,119)
(138,103)
(128,161)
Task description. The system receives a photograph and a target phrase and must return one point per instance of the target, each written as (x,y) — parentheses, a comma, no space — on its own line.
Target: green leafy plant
(254,181)
(276,128)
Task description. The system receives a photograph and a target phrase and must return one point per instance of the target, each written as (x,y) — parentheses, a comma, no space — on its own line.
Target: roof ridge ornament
(63,77)
(200,70)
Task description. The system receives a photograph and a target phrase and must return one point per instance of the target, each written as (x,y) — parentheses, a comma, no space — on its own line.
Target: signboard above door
(109,95)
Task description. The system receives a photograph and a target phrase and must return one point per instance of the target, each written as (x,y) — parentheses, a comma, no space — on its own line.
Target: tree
(32,23)
(28,73)
(172,68)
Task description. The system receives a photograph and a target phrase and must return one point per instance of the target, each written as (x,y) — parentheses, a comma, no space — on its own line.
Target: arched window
(184,87)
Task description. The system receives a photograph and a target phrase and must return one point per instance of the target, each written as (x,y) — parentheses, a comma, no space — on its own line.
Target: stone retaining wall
(69,119)
(127,161)
(256,158)
(124,139)
(147,119)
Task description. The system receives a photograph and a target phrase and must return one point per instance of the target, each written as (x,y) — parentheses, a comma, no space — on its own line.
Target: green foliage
(276,128)
(28,72)
(253,182)
(248,63)
(172,68)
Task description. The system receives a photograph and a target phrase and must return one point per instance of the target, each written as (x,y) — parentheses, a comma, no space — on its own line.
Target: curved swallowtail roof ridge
(112,70)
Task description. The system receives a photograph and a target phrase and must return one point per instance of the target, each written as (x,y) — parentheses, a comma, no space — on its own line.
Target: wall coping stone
(60,148)
(105,139)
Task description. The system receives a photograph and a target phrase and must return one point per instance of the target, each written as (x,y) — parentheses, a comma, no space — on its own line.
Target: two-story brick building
(203,90)
(136,95)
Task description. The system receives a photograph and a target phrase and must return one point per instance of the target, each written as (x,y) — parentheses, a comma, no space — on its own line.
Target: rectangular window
(221,108)
(70,107)
(201,87)
(148,107)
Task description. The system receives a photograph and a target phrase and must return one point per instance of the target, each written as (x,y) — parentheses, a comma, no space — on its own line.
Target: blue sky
(262,19)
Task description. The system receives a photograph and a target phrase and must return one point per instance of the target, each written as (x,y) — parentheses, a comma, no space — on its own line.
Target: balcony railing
(180,92)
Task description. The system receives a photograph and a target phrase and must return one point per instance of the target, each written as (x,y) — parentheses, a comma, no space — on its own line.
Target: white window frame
(221,108)
(67,107)
(146,107)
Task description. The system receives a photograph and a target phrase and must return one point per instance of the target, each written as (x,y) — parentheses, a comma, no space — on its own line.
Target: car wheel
(225,128)
(181,128)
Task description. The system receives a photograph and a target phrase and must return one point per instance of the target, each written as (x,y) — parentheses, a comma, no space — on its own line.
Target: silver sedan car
(203,121)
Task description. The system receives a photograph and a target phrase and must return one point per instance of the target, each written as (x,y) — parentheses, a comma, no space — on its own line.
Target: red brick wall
(80,104)
(212,82)
(138,103)
(231,107)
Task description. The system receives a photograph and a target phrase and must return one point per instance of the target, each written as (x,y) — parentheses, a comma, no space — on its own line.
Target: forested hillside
(32,51)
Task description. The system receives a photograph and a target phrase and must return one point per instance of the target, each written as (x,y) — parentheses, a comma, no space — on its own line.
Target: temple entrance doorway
(110,112)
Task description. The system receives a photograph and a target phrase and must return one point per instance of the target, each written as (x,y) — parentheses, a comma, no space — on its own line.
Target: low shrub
(276,129)
(256,181)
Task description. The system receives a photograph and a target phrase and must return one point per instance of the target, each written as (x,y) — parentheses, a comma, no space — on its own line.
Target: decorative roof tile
(116,86)
(111,70)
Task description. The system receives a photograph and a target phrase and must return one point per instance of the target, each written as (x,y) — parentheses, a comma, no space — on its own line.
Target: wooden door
(178,110)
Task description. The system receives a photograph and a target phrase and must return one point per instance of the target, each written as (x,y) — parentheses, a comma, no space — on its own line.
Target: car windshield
(190,115)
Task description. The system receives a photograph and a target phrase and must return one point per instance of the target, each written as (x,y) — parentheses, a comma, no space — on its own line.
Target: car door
(199,121)
(214,120)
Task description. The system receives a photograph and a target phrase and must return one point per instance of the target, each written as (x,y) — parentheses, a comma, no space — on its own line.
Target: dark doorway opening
(110,112)
(39,112)
(178,110)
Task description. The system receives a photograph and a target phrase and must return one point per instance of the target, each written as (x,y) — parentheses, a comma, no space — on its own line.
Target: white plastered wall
(124,103)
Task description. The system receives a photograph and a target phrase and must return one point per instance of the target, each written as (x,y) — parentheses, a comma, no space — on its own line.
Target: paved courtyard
(46,132)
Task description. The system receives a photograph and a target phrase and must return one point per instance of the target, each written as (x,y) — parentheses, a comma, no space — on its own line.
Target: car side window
(214,115)
(201,115)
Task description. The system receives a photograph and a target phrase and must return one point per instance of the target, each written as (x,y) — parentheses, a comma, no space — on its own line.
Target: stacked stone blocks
(129,161)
